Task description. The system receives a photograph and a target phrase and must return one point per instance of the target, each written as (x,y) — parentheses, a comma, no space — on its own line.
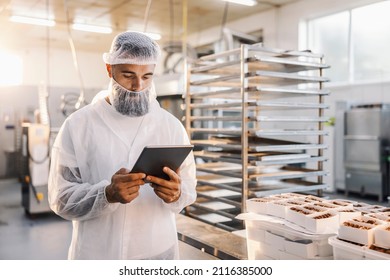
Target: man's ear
(109,70)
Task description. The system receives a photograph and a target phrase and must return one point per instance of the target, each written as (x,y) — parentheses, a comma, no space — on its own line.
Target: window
(11,71)
(371,42)
(355,43)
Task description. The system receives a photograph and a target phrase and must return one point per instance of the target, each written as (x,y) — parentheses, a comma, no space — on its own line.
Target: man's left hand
(169,191)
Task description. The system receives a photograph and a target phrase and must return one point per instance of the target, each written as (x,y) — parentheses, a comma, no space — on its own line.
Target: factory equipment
(366,145)
(256,118)
(34,163)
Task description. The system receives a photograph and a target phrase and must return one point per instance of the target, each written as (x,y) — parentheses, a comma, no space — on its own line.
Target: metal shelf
(256,118)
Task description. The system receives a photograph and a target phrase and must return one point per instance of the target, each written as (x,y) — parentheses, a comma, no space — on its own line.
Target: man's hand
(124,186)
(169,191)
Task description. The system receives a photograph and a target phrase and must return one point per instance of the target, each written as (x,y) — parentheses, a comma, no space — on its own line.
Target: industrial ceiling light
(243,2)
(91,28)
(34,21)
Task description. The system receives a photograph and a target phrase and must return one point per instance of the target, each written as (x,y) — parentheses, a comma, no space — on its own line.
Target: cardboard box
(369,220)
(371,209)
(347,214)
(346,204)
(357,232)
(257,205)
(297,215)
(383,216)
(382,236)
(385,210)
(324,222)
(327,205)
(312,198)
(279,208)
(314,208)
(283,196)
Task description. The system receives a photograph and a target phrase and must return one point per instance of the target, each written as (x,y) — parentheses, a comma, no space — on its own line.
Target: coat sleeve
(69,196)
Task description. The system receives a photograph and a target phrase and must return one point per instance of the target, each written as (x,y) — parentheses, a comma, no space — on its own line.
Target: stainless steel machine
(366,150)
(35,145)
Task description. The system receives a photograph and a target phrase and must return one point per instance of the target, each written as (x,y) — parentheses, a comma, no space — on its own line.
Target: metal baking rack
(256,118)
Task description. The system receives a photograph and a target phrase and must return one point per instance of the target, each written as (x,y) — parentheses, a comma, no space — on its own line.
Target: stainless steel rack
(256,118)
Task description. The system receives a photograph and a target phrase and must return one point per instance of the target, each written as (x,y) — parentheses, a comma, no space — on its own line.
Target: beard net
(130,103)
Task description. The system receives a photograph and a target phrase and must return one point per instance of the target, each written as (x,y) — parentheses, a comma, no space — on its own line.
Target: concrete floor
(44,236)
(47,236)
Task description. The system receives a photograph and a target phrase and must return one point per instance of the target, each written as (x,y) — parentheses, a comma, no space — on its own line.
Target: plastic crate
(343,250)
(270,237)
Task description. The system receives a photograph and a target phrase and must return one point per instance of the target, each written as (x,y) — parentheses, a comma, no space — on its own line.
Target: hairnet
(132,48)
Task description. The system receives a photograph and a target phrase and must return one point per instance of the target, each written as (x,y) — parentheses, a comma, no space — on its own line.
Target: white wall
(62,72)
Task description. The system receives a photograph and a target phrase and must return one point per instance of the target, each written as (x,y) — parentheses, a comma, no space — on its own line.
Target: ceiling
(159,16)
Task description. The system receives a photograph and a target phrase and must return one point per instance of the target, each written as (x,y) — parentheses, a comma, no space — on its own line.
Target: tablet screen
(153,159)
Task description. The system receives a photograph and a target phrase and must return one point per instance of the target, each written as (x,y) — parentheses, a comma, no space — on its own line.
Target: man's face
(132,77)
(131,88)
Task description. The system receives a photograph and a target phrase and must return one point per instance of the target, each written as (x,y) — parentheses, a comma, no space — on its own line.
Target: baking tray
(282,119)
(284,53)
(216,118)
(265,147)
(260,159)
(259,48)
(216,193)
(237,172)
(219,156)
(270,92)
(260,133)
(213,218)
(214,179)
(259,77)
(271,174)
(219,166)
(288,160)
(256,63)
(288,173)
(216,205)
(255,104)
(278,187)
(289,119)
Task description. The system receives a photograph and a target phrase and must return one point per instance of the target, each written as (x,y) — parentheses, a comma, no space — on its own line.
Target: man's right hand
(124,186)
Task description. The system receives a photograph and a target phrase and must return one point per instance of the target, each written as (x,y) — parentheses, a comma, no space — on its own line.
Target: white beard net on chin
(129,103)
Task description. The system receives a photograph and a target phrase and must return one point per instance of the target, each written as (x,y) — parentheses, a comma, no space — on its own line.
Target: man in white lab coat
(116,214)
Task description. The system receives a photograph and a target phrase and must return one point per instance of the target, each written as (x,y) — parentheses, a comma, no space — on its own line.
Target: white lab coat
(94,143)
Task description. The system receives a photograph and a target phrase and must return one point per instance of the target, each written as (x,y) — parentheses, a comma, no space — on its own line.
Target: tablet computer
(153,159)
